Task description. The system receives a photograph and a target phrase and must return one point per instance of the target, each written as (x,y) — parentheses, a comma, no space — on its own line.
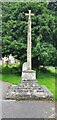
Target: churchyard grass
(12,78)
(46,78)
(0,76)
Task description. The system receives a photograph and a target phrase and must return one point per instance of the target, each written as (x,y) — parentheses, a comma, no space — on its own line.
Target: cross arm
(32,14)
(28,14)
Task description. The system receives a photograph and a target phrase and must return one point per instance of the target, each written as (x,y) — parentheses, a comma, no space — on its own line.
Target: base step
(28,90)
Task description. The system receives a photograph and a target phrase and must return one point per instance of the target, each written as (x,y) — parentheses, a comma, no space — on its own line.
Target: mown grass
(0,76)
(46,78)
(12,78)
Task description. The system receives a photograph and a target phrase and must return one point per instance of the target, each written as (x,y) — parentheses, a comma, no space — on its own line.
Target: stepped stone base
(28,90)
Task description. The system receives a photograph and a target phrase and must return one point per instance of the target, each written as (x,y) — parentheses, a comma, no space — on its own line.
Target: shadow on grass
(48,71)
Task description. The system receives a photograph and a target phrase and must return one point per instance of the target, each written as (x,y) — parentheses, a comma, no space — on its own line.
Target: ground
(46,77)
(25,109)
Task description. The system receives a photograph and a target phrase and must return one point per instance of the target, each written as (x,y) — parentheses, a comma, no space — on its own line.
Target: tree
(15,26)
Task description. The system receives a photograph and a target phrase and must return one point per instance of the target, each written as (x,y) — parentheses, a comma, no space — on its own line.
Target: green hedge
(11,69)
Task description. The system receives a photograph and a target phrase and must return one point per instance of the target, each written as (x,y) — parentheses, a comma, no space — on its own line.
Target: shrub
(11,69)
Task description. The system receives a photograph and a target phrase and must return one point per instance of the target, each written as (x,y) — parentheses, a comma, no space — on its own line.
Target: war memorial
(28,89)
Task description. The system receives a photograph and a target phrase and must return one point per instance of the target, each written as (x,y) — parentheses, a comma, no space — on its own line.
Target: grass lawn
(0,77)
(12,78)
(46,78)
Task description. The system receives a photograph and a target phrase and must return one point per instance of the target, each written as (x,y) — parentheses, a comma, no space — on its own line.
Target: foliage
(44,37)
(11,69)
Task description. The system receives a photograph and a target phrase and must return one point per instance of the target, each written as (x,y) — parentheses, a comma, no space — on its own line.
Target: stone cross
(29,41)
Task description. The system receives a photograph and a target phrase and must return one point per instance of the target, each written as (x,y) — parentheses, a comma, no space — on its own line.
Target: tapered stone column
(27,72)
(29,41)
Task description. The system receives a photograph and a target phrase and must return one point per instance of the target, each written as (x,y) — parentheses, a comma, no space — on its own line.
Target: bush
(11,69)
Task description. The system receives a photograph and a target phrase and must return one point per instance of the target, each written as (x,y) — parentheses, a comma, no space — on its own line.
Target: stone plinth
(29,90)
(29,75)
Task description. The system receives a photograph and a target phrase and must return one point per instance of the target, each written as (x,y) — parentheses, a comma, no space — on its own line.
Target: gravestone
(11,59)
(29,89)
(4,59)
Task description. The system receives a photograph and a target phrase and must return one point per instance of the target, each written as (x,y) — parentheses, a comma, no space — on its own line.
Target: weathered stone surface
(28,75)
(28,91)
(24,67)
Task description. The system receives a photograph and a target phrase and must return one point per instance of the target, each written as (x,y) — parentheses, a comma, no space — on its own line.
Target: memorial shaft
(29,42)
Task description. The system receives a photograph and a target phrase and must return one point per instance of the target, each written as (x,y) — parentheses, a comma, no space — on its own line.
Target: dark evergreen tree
(15,27)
